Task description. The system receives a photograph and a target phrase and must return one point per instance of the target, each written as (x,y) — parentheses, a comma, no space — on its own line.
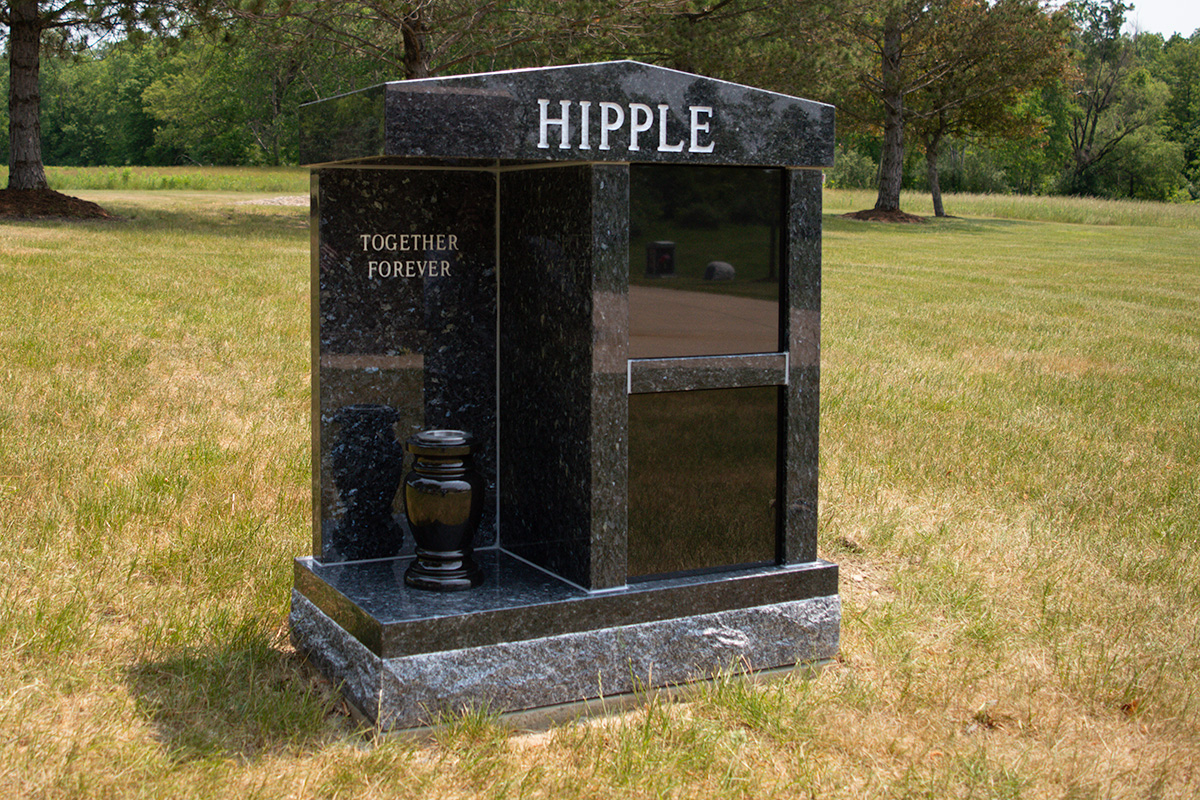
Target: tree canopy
(61,25)
(997,95)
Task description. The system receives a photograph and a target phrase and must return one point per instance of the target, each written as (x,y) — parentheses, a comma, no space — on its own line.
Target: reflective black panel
(702,479)
(404,305)
(704,256)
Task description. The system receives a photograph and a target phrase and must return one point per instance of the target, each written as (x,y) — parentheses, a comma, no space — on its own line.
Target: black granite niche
(702,480)
(404,311)
(648,436)
(715,218)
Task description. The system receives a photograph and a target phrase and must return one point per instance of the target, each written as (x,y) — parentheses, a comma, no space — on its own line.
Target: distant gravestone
(719,271)
(472,272)
(660,259)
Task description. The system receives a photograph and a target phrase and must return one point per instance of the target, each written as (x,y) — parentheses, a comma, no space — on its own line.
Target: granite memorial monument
(517,260)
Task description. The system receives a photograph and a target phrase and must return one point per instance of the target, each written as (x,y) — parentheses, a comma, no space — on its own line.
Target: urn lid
(441,443)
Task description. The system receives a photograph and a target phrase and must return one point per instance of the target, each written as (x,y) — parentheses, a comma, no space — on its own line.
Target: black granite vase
(368,464)
(443,498)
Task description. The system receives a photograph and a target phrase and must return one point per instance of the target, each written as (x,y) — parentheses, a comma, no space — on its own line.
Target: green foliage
(1116,139)
(1146,167)
(228,92)
(972,169)
(852,169)
(198,114)
(92,108)
(1033,164)
(217,98)
(1180,69)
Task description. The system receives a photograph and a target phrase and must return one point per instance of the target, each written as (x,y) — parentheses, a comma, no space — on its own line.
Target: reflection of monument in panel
(723,226)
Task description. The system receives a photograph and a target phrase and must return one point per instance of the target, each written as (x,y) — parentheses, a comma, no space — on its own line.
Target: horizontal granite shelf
(647,375)
(518,602)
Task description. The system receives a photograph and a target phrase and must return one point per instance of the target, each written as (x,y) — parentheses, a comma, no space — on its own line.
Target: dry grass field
(1010,483)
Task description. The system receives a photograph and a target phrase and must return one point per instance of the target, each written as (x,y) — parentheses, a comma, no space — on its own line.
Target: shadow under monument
(239,698)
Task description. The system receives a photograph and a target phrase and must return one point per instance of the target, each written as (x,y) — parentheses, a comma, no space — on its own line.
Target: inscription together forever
(408,242)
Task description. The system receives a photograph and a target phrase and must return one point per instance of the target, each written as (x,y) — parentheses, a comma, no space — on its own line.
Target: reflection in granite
(519,601)
(682,118)
(668,323)
(729,215)
(702,479)
(409,690)
(563,354)
(344,127)
(404,312)
(367,465)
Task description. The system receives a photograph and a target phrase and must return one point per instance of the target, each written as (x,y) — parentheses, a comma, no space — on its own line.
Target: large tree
(901,57)
(998,50)
(1115,97)
(30,26)
(937,67)
(422,38)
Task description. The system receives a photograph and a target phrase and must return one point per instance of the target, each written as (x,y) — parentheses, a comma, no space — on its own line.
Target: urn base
(451,571)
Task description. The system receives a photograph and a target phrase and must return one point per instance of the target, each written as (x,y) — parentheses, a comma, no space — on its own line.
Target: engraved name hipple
(574,121)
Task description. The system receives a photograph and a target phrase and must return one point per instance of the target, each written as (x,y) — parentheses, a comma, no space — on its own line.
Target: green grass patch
(1039,208)
(280,180)
(1010,482)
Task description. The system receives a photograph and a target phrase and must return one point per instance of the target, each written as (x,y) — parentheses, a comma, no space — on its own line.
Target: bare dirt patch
(878,215)
(47,204)
(282,200)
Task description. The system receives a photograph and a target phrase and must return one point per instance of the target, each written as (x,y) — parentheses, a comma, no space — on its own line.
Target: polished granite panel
(719,372)
(404,316)
(727,215)
(634,113)
(562,380)
(410,690)
(702,479)
(610,356)
(519,601)
(803,322)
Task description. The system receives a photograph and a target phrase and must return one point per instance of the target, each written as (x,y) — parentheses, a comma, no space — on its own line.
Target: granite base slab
(543,718)
(519,601)
(408,691)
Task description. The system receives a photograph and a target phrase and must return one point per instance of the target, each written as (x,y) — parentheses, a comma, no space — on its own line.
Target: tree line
(963,95)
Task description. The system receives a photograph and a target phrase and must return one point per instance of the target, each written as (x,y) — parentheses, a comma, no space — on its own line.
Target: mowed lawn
(1010,481)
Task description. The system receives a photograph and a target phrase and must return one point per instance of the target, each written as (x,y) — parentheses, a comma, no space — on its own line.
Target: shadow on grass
(214,218)
(241,700)
(835,221)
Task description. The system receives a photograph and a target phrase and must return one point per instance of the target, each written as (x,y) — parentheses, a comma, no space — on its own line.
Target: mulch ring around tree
(877,215)
(47,204)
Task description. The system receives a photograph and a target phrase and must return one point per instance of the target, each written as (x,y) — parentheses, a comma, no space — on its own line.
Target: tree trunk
(25,169)
(935,186)
(891,162)
(416,53)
